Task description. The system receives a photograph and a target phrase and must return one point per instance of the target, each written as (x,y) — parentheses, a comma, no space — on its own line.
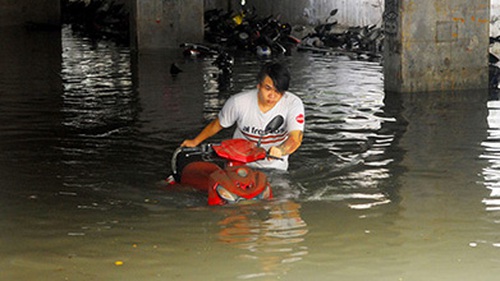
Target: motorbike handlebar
(273,157)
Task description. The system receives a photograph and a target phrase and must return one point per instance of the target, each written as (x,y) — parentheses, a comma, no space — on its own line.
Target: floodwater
(384,187)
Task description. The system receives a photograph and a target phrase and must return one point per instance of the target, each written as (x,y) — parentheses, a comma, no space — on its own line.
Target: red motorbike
(220,170)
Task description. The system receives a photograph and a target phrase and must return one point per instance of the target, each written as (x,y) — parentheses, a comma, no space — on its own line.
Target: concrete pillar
(226,5)
(21,12)
(160,24)
(440,45)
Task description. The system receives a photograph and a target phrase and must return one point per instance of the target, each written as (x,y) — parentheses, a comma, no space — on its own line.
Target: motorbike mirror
(332,13)
(274,124)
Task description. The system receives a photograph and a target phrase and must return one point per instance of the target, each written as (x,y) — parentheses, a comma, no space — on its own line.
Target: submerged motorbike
(220,170)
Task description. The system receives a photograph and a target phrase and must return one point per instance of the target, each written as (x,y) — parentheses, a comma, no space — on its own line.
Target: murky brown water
(385,187)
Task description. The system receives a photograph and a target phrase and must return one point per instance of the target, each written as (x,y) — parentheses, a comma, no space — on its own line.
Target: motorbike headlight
(226,195)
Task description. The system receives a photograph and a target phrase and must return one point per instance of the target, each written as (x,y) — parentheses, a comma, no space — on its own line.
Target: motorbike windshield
(240,150)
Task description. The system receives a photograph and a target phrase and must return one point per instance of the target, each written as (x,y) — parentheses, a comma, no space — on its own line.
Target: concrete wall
(166,23)
(443,46)
(350,12)
(20,12)
(495,18)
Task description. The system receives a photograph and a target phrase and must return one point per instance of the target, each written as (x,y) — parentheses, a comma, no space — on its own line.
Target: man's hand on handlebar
(189,143)
(275,152)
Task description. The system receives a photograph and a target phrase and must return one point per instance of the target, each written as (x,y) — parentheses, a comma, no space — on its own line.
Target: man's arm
(211,129)
(289,146)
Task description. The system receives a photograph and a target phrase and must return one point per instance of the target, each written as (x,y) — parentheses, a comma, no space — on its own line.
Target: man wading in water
(252,110)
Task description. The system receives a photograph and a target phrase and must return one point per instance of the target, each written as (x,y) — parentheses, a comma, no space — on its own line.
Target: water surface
(384,187)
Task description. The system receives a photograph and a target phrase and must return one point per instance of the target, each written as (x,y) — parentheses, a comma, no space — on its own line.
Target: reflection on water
(492,172)
(100,110)
(384,185)
(491,175)
(97,87)
(273,241)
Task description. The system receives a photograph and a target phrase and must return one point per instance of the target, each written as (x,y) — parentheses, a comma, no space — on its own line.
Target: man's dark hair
(278,73)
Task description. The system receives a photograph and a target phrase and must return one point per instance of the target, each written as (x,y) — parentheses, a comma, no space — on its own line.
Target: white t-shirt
(243,109)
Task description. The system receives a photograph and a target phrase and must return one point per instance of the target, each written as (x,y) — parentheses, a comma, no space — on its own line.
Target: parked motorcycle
(220,170)
(329,37)
(246,31)
(222,59)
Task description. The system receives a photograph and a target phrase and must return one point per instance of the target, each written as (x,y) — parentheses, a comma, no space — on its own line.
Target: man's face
(268,94)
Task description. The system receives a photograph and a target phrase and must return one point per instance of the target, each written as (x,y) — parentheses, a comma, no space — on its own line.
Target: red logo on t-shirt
(300,118)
